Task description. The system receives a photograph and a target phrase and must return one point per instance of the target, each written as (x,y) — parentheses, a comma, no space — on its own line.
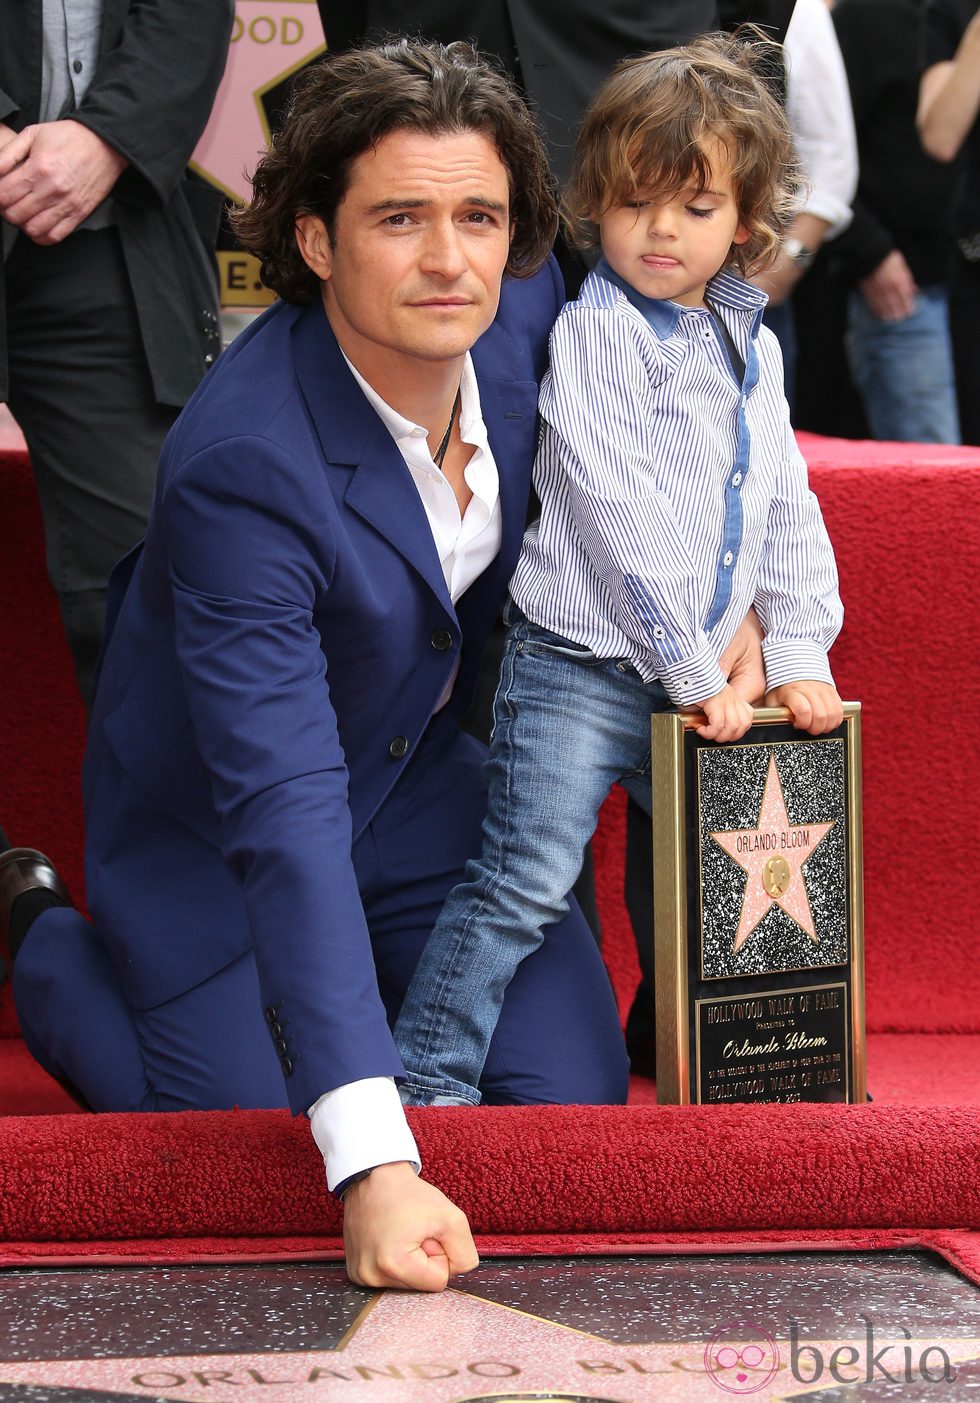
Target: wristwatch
(799,253)
(350,1181)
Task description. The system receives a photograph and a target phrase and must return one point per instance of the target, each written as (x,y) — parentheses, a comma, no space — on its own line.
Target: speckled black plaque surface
(595,1330)
(731,782)
(760,942)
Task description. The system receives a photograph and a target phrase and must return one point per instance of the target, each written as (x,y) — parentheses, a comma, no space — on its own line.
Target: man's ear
(313,242)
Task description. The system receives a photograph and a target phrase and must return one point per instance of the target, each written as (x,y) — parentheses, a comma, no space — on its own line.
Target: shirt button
(78,65)
(736,479)
(728,558)
(398,747)
(659,632)
(441,640)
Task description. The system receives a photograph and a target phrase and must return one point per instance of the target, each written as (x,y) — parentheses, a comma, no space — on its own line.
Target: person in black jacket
(895,255)
(949,127)
(108,304)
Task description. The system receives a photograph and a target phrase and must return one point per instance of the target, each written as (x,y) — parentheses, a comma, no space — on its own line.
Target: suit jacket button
(287,1067)
(441,640)
(271,1014)
(280,1047)
(398,747)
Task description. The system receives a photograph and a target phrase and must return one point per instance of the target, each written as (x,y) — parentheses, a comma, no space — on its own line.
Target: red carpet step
(903,1171)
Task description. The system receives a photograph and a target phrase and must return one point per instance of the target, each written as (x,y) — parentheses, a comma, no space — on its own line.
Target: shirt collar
(470,416)
(725,288)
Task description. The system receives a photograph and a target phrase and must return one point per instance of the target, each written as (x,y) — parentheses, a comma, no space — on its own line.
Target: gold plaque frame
(678,925)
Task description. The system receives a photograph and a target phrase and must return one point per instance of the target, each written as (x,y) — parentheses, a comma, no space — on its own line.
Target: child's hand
(729,715)
(816,707)
(742,663)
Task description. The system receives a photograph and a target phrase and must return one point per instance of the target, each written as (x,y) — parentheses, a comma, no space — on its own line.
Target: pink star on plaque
(773,854)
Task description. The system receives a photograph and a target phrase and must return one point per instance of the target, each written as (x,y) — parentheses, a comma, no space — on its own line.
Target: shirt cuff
(793,660)
(694,679)
(360,1125)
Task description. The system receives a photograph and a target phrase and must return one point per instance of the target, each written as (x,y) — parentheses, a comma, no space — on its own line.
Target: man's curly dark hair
(345,105)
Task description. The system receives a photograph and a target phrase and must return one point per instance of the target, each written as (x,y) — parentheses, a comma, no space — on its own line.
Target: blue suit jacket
(270,644)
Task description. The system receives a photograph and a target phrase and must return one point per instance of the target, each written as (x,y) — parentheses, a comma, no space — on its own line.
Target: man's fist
(401,1231)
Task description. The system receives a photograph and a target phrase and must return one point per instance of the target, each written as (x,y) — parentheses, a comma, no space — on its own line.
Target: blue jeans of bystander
(903,370)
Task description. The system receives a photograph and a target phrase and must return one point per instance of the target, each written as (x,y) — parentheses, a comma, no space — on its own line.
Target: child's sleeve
(798,602)
(597,408)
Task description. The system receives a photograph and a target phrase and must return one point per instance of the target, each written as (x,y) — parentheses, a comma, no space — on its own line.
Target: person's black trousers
(80,390)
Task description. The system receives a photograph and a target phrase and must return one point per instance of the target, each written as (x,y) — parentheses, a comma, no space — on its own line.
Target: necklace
(440,452)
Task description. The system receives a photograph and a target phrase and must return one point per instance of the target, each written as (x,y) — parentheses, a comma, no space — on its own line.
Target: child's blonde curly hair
(647,127)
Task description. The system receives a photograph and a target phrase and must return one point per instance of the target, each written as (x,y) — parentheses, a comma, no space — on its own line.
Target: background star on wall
(271,40)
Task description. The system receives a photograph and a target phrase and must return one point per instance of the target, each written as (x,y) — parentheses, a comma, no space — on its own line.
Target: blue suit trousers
(558,1039)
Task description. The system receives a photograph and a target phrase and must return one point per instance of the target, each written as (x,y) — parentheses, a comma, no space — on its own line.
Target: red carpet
(250,1184)
(903,1171)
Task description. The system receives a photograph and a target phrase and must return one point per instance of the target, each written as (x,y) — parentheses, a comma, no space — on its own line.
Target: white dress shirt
(818,106)
(673,495)
(362,1124)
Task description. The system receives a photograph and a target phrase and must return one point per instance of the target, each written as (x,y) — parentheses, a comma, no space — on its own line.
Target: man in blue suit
(278,794)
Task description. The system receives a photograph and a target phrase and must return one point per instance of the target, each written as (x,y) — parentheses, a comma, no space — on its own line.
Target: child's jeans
(567,726)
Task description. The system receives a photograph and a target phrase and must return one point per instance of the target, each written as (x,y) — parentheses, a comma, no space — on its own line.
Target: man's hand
(52,177)
(741,662)
(890,289)
(401,1231)
(816,707)
(729,716)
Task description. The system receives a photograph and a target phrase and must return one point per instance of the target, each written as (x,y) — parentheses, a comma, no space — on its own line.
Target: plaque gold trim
(674,811)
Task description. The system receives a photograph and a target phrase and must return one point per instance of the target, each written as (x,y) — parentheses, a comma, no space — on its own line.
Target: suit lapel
(380,489)
(510,412)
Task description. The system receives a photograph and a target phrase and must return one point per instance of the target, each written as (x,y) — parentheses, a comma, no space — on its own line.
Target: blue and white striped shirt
(673,496)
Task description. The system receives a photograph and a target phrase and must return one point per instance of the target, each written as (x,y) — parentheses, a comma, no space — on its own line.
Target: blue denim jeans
(567,726)
(904,370)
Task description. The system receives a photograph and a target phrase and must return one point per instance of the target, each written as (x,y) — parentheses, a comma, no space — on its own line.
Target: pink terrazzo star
(408,1348)
(773,854)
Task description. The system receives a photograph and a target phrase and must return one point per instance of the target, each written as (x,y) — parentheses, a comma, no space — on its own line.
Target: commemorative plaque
(758,912)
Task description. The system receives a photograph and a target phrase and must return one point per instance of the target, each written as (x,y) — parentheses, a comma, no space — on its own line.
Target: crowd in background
(109,311)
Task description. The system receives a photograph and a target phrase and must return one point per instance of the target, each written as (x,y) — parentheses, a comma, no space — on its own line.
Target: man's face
(420,242)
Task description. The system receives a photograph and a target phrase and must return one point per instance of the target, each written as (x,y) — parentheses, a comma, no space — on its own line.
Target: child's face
(668,246)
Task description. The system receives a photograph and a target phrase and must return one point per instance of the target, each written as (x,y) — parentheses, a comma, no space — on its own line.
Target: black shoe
(29,883)
(24,871)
